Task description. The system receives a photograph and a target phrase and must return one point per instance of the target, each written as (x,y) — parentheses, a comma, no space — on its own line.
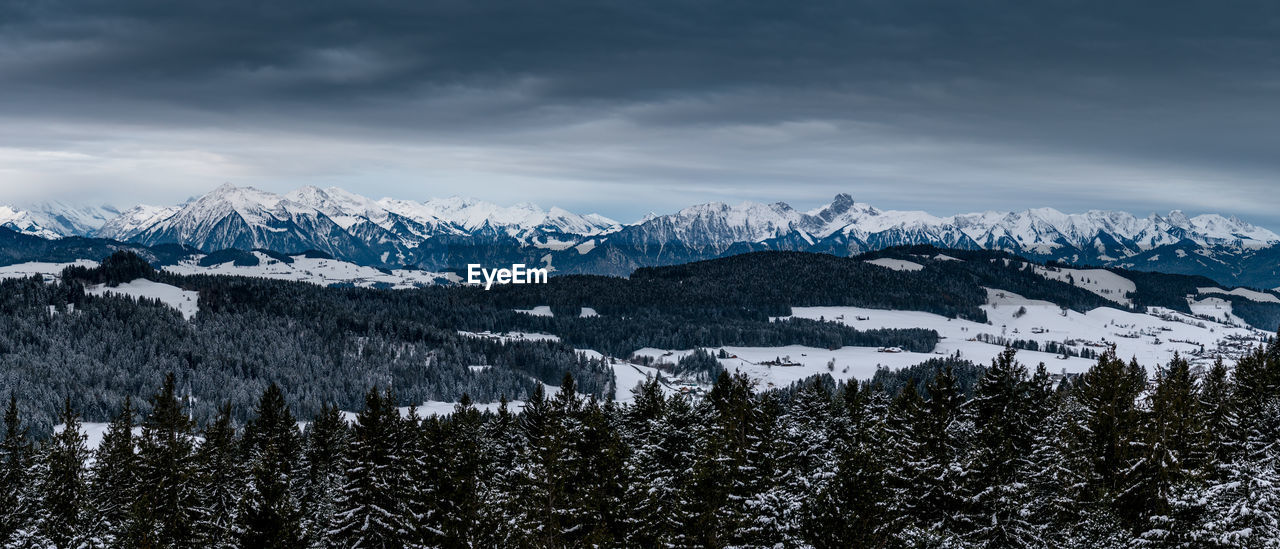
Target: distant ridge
(446,233)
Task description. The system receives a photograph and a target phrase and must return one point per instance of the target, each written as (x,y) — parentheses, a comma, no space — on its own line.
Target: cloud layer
(625,106)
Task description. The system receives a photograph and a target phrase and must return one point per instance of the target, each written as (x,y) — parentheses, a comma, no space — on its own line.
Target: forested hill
(997,269)
(773,282)
(329,345)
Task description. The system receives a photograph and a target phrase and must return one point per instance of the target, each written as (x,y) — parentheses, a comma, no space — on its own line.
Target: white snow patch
(1152,338)
(553,244)
(186,302)
(586,247)
(1216,308)
(1102,282)
(324,272)
(94,432)
(1251,295)
(47,270)
(897,264)
(629,375)
(588,312)
(541,310)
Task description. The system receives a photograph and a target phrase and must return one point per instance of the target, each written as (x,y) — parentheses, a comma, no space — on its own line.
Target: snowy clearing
(93,432)
(1215,308)
(186,302)
(897,264)
(1099,281)
(1251,295)
(47,270)
(1151,338)
(588,312)
(324,272)
(541,310)
(586,247)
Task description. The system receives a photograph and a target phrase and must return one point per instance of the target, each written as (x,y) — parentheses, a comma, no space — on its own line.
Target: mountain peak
(842,202)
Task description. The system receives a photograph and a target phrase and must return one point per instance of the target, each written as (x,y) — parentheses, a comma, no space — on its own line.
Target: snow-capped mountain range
(446,233)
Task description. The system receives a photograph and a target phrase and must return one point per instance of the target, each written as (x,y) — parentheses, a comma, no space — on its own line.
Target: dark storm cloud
(724,97)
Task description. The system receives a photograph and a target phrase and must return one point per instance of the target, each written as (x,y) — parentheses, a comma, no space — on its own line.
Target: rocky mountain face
(449,233)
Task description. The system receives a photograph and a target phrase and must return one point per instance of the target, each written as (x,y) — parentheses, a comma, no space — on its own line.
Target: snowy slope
(186,302)
(896,264)
(24,222)
(1099,281)
(133,221)
(55,219)
(1252,295)
(48,270)
(318,271)
(1151,338)
(324,272)
(71,220)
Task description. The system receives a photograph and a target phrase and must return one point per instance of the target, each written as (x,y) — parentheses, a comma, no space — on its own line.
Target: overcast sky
(623,107)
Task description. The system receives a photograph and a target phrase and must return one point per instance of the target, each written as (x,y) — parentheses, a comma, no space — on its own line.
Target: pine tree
(419,460)
(271,515)
(17,497)
(461,489)
(372,507)
(1243,508)
(325,457)
(850,509)
(600,476)
(1243,502)
(164,513)
(939,432)
(1176,442)
(64,484)
(1111,427)
(806,463)
(114,484)
(722,480)
(904,450)
(554,514)
(1221,420)
(219,481)
(1004,436)
(503,445)
(767,516)
(664,434)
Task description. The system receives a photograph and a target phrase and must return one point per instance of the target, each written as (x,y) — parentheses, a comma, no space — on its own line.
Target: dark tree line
(1112,459)
(56,341)
(330,343)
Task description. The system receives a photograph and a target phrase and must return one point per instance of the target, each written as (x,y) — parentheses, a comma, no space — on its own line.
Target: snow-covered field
(1252,295)
(1099,281)
(319,271)
(184,301)
(1151,338)
(1216,308)
(897,264)
(541,310)
(48,270)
